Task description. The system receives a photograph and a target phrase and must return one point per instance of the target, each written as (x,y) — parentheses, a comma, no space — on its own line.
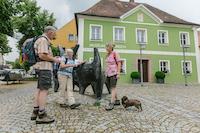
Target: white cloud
(64,9)
(60,9)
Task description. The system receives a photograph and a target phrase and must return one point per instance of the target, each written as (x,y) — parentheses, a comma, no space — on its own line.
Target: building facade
(131,25)
(66,36)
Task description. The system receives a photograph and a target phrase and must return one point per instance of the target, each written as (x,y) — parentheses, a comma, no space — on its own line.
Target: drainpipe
(197,51)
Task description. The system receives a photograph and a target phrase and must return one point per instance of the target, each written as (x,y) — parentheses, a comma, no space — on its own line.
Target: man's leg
(70,94)
(45,80)
(43,99)
(36,105)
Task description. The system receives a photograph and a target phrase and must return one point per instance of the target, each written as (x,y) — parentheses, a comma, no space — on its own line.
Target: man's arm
(47,57)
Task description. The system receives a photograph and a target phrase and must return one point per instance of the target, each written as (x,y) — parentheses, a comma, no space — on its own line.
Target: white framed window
(141,36)
(140,17)
(123,66)
(164,66)
(96,32)
(163,38)
(184,39)
(118,33)
(71,37)
(91,60)
(187,67)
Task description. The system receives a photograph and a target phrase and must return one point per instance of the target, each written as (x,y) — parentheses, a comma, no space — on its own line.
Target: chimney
(132,1)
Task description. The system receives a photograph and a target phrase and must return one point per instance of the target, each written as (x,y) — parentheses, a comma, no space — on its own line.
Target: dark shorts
(111,82)
(44,79)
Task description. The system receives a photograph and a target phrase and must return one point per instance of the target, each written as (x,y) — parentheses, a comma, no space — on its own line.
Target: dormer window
(140,17)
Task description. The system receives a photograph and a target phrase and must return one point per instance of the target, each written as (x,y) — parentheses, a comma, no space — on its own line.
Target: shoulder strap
(36,54)
(114,56)
(41,37)
(66,59)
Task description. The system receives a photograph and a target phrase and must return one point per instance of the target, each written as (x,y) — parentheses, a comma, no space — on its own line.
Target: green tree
(22,16)
(6,14)
(26,66)
(16,65)
(55,51)
(7,11)
(31,20)
(4,48)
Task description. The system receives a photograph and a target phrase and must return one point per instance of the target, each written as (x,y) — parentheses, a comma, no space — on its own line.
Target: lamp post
(184,61)
(142,46)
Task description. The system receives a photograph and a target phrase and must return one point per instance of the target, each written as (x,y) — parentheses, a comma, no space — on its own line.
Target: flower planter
(136,81)
(160,81)
(135,76)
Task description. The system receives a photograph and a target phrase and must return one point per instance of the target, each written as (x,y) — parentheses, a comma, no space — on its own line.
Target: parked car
(2,73)
(14,75)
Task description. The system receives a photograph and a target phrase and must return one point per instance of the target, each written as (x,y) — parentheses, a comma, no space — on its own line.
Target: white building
(1,59)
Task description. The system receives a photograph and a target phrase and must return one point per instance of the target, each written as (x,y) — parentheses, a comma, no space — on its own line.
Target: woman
(112,72)
(65,80)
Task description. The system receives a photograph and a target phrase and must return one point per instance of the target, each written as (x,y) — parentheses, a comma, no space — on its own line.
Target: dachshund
(131,102)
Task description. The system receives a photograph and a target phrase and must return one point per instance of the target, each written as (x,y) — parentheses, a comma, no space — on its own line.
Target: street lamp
(142,46)
(184,61)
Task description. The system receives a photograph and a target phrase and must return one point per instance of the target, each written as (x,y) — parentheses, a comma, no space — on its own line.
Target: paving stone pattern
(166,109)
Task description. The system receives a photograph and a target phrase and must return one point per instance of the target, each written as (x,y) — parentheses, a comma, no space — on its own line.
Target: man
(44,69)
(65,80)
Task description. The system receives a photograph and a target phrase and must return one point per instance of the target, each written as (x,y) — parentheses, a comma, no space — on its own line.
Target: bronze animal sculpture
(89,74)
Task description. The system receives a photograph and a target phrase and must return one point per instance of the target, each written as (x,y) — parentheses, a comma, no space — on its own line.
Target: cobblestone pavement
(166,109)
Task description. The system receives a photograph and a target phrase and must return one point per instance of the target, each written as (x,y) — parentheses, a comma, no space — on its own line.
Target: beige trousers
(65,89)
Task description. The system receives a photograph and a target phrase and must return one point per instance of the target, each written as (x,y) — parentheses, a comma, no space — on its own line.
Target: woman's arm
(62,65)
(118,64)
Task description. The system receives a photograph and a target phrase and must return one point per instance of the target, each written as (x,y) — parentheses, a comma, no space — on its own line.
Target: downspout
(197,51)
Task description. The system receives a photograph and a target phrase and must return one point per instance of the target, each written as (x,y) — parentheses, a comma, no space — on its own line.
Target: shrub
(135,75)
(160,75)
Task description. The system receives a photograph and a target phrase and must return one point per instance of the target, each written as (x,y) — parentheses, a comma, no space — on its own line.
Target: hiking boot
(75,105)
(43,118)
(34,114)
(117,102)
(110,107)
(64,105)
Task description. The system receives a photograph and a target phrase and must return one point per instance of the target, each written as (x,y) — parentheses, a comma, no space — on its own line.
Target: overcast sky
(64,9)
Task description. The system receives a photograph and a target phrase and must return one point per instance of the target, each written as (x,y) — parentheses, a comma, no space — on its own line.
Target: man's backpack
(28,51)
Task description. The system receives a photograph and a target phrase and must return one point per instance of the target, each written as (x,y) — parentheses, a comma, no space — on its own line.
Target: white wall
(15,52)
(1,59)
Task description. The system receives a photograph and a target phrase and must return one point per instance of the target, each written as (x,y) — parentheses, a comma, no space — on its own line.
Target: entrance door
(145,65)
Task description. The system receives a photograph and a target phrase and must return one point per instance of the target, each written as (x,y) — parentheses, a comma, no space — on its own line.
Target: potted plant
(135,77)
(160,77)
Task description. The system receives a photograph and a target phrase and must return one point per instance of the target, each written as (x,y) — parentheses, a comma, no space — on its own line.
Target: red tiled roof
(115,9)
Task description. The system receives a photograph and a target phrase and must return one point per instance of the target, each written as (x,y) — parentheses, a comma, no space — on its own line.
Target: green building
(131,25)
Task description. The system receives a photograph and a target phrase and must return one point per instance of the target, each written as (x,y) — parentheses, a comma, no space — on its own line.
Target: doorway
(145,65)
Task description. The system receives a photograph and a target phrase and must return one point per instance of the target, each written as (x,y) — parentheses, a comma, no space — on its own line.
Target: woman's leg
(70,94)
(114,95)
(62,88)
